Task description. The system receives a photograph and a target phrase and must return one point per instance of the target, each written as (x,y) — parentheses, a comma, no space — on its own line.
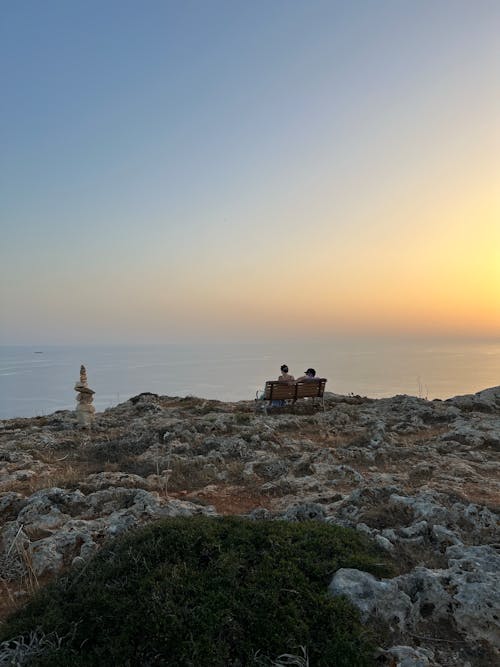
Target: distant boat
(36,352)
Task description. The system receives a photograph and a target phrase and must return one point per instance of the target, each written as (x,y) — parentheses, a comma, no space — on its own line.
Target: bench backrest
(282,390)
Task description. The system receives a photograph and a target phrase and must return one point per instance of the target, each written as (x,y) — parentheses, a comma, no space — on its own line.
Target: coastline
(32,385)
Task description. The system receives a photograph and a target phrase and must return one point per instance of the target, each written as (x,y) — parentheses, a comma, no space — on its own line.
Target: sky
(212,170)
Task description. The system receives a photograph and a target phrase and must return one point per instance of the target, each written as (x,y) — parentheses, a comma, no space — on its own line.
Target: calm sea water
(37,381)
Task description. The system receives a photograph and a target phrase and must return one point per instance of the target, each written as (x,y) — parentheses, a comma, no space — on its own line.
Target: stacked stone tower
(84,409)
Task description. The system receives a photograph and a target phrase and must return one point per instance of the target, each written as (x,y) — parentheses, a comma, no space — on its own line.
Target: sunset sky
(237,170)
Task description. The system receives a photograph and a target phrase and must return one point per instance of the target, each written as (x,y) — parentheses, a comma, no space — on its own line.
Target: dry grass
(67,474)
(17,576)
(11,599)
(189,476)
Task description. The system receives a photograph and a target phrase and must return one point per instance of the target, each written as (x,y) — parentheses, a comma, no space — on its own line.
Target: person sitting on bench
(310,375)
(285,375)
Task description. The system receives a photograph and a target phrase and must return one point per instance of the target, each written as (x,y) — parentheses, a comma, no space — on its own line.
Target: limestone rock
(383,598)
(407,656)
(475,577)
(304,512)
(56,526)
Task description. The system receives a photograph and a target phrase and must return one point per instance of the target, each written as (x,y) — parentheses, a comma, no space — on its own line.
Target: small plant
(242,418)
(24,650)
(189,475)
(234,472)
(168,470)
(284,660)
(421,390)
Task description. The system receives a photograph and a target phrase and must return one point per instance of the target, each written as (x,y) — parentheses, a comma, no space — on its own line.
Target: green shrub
(243,418)
(207,592)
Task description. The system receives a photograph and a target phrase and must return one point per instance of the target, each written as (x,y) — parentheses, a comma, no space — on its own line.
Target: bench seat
(293,391)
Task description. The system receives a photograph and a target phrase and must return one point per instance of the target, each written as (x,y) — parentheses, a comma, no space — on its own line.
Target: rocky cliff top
(422,478)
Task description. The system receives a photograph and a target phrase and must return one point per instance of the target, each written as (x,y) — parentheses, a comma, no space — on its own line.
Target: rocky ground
(421,477)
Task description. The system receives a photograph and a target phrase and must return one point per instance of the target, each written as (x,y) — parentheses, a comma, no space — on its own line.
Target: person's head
(284,368)
(311,373)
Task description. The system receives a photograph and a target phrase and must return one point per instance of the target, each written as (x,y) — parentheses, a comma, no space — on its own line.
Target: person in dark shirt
(310,374)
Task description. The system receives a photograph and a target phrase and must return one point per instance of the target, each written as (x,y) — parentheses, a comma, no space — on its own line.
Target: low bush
(117,449)
(204,591)
(190,475)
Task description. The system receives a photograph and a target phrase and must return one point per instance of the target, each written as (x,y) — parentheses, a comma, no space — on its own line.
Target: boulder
(372,597)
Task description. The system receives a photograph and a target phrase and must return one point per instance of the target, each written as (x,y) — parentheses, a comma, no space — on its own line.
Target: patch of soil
(481,495)
(230,499)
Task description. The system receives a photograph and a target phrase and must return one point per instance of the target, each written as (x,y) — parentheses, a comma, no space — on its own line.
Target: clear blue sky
(161,161)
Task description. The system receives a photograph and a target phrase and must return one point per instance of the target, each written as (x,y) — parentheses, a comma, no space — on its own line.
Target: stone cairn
(84,409)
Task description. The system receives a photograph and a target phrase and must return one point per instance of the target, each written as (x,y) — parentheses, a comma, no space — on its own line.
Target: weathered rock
(407,656)
(304,512)
(47,528)
(474,575)
(383,598)
(487,400)
(103,480)
(466,592)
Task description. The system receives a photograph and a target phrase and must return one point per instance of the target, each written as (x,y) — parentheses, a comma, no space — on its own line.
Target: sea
(40,380)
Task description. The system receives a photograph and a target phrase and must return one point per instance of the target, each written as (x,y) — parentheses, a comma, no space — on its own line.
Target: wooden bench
(284,391)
